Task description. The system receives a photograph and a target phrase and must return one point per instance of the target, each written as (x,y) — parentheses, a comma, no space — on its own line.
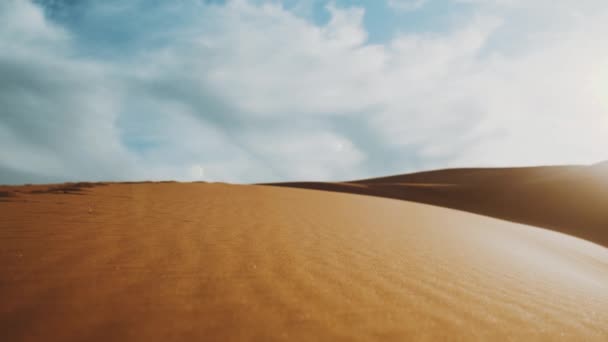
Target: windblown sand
(171,261)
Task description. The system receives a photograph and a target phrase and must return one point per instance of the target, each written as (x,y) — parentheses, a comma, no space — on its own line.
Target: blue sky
(259,91)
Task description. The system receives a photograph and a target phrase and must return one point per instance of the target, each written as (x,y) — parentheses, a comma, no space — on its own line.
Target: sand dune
(173,261)
(568,199)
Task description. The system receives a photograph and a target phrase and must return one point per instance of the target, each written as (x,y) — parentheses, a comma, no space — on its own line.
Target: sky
(261,91)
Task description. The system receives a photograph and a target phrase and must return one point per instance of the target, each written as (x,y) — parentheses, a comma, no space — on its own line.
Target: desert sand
(568,199)
(190,262)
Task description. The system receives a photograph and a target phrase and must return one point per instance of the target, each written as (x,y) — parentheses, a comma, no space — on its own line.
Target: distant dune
(217,262)
(568,199)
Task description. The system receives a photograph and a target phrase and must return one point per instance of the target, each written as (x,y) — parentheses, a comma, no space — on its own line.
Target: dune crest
(568,199)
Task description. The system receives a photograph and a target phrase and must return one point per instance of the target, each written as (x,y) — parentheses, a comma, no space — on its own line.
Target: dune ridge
(569,199)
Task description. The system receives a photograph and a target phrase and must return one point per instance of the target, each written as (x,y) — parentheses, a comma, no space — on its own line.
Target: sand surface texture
(189,262)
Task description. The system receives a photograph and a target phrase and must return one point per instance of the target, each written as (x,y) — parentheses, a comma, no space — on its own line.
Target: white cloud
(24,23)
(256,93)
(307,154)
(407,5)
(289,66)
(56,113)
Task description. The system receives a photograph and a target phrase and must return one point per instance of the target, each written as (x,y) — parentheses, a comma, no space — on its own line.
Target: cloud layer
(252,91)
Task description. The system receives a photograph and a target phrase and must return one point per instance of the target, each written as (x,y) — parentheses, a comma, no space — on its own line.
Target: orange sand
(568,199)
(190,262)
